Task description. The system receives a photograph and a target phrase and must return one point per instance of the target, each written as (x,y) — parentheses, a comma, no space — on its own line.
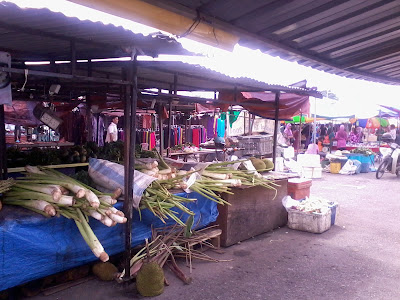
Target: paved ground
(356,259)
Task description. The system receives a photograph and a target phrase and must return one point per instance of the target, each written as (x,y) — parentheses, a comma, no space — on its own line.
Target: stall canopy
(396,111)
(372,123)
(289,104)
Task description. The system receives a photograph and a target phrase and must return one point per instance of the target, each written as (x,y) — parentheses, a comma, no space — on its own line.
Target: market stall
(79,81)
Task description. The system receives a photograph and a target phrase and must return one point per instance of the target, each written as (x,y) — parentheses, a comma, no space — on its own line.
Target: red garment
(196,137)
(152,141)
(147,121)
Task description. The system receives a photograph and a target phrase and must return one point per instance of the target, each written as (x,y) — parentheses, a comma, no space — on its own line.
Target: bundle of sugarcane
(5,185)
(245,177)
(160,202)
(167,244)
(52,193)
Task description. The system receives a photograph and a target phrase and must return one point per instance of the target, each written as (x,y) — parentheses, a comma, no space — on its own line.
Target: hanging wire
(192,27)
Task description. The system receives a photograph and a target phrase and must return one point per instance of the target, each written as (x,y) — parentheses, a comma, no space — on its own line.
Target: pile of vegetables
(211,181)
(362,150)
(313,205)
(51,193)
(77,154)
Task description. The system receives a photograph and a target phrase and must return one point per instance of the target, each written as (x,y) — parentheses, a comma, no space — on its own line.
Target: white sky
(355,96)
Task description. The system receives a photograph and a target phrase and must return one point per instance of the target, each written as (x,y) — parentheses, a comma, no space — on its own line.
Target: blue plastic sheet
(33,246)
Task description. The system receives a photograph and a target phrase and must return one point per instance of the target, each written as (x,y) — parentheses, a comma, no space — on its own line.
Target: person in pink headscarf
(341,137)
(288,135)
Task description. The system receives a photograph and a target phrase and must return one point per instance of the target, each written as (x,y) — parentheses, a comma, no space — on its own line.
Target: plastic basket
(255,144)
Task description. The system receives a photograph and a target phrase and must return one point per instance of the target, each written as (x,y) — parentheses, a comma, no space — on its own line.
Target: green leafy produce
(362,150)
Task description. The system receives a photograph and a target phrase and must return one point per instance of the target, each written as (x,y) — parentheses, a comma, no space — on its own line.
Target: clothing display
(176,136)
(197,134)
(73,127)
(146,136)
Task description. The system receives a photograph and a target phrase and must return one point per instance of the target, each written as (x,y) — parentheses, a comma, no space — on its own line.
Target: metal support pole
(89,106)
(129,159)
(73,57)
(299,137)
(161,129)
(186,129)
(3,153)
(169,126)
(315,123)
(277,96)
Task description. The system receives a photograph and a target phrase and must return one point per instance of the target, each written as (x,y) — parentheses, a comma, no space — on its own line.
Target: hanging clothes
(210,127)
(233,116)
(196,137)
(146,122)
(221,128)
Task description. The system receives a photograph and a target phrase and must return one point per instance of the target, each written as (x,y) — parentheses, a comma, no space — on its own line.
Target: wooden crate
(253,211)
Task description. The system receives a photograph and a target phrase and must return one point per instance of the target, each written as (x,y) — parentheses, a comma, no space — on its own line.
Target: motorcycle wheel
(381,169)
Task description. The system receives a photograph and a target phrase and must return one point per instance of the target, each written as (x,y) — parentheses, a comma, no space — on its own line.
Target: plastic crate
(299,188)
(255,144)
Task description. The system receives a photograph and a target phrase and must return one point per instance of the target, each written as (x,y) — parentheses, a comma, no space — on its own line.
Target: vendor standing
(288,135)
(341,137)
(112,131)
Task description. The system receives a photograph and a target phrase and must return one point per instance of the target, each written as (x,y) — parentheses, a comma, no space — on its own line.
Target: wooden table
(42,144)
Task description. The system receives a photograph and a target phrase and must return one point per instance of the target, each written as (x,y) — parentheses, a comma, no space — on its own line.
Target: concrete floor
(358,258)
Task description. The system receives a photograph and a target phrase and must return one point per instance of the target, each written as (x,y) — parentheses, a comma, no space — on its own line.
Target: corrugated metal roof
(32,34)
(195,77)
(161,75)
(42,34)
(357,39)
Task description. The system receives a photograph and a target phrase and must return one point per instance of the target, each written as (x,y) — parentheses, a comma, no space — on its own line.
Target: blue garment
(221,128)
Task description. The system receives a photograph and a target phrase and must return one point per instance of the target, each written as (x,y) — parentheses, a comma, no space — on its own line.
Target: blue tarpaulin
(34,246)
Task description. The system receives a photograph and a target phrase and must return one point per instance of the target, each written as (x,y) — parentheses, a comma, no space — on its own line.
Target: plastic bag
(288,203)
(349,168)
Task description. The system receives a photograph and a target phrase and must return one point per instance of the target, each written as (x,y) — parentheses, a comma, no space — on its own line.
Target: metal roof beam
(65,76)
(32,31)
(322,23)
(315,8)
(369,54)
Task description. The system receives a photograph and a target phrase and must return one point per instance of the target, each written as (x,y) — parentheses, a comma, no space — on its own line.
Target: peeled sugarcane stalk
(55,177)
(38,205)
(42,193)
(90,238)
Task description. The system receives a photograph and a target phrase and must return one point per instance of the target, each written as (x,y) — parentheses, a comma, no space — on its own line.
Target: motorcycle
(391,161)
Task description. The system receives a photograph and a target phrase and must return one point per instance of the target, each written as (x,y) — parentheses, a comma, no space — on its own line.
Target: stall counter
(254,211)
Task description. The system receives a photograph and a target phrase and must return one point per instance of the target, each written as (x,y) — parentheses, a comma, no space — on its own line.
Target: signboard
(5,79)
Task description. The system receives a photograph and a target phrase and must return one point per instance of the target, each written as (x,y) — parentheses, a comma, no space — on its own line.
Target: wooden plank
(22,169)
(207,235)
